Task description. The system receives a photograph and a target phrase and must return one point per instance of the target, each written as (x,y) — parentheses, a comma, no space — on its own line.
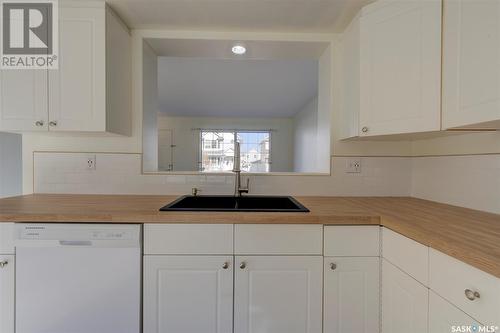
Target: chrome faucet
(238,190)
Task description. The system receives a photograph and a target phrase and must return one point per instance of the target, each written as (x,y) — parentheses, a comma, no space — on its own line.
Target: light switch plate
(353,165)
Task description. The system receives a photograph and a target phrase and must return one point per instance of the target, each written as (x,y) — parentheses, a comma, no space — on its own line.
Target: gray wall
(11,179)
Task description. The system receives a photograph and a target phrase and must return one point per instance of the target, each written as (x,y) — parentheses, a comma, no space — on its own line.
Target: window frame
(234,132)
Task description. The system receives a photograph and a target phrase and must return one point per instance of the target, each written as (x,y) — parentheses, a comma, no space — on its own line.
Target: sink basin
(224,203)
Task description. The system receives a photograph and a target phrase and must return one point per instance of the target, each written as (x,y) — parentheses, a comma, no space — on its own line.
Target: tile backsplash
(121,174)
(469,181)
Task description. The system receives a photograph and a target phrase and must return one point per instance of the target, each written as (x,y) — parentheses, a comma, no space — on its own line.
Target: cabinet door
(400,64)
(77,100)
(443,316)
(351,295)
(7,293)
(278,294)
(23,100)
(188,294)
(471,63)
(404,302)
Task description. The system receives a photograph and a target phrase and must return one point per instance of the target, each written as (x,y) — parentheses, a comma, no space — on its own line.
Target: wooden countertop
(468,235)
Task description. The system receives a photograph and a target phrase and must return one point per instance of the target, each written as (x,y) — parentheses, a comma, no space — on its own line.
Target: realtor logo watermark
(29,37)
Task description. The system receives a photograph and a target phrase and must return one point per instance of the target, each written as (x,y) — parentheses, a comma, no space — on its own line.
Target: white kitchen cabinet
(471,64)
(406,254)
(443,316)
(90,92)
(77,98)
(351,295)
(279,294)
(23,100)
(350,87)
(473,291)
(400,67)
(404,302)
(7,305)
(188,294)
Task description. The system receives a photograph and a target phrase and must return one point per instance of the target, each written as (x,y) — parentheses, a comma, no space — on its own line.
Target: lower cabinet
(444,316)
(404,302)
(351,295)
(194,294)
(278,294)
(188,294)
(7,271)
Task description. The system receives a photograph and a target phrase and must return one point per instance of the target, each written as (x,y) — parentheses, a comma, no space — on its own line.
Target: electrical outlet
(91,162)
(353,165)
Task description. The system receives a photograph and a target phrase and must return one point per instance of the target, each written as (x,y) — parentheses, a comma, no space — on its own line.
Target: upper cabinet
(23,100)
(400,67)
(471,64)
(90,92)
(392,67)
(421,66)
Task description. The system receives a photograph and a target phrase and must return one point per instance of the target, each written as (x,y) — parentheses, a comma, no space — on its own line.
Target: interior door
(165,150)
(400,64)
(278,294)
(23,100)
(351,295)
(188,294)
(77,99)
(7,269)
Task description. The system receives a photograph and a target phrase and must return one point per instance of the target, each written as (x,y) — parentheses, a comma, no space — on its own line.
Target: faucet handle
(195,191)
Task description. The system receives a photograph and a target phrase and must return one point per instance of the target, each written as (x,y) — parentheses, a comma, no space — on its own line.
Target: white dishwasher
(78,278)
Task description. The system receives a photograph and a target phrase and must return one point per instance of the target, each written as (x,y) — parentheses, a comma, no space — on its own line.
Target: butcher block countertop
(468,235)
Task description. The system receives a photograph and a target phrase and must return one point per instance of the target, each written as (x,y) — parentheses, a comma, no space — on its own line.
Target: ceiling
(235,88)
(239,15)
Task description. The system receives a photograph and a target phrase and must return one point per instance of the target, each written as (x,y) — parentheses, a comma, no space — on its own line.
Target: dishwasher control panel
(77,232)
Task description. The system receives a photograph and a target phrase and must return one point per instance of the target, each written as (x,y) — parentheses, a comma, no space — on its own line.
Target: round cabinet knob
(243,265)
(471,295)
(53,123)
(225,265)
(3,263)
(364,129)
(39,123)
(333,266)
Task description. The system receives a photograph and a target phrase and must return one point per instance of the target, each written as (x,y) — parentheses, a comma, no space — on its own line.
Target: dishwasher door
(78,281)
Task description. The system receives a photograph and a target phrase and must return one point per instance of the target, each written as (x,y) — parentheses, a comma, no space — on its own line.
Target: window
(217,150)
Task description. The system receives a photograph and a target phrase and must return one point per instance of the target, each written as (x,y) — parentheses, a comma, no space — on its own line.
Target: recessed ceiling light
(239,49)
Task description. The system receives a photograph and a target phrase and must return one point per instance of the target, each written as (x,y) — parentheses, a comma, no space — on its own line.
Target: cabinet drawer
(450,278)
(352,241)
(278,239)
(6,238)
(188,239)
(408,255)
(443,315)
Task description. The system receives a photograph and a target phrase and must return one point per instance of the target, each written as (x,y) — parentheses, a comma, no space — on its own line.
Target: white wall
(10,165)
(150,109)
(305,138)
(187,140)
